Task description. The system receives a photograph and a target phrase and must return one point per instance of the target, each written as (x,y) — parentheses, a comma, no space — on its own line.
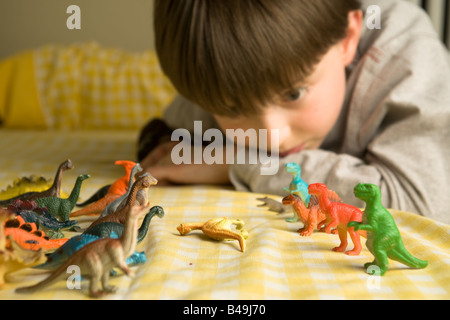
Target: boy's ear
(350,43)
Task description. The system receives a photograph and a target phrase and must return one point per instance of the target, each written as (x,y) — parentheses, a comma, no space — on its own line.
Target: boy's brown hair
(233,56)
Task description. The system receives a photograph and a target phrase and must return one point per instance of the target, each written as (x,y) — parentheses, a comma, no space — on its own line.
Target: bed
(277,264)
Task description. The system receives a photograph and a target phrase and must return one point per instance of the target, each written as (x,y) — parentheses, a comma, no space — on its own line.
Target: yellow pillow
(82,86)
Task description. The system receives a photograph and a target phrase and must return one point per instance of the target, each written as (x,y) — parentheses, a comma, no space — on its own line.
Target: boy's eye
(294,95)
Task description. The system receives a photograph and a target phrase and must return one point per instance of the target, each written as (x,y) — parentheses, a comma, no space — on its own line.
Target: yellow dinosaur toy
(218,229)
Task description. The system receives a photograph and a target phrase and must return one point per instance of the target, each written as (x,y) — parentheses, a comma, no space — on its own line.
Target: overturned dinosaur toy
(218,229)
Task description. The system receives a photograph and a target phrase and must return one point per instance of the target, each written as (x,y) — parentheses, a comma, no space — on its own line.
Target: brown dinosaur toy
(53,191)
(338,215)
(13,257)
(120,215)
(311,216)
(98,258)
(117,189)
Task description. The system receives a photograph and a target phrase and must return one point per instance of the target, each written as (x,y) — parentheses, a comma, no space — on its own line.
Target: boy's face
(305,115)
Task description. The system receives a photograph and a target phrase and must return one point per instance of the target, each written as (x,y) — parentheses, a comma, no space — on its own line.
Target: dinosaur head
(159,211)
(125,163)
(145,180)
(317,189)
(367,192)
(293,168)
(67,165)
(83,177)
(183,229)
(290,199)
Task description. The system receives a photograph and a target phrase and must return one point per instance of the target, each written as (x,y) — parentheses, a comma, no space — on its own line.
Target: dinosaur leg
(105,283)
(294,218)
(381,261)
(343,237)
(356,241)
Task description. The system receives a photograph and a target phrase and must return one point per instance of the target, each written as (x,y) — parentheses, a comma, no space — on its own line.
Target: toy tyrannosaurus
(98,258)
(218,229)
(53,191)
(338,215)
(383,237)
(115,190)
(61,208)
(297,186)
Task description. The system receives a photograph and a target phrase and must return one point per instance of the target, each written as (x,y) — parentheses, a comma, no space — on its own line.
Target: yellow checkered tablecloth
(278,263)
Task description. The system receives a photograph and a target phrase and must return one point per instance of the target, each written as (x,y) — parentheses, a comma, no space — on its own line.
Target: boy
(350,104)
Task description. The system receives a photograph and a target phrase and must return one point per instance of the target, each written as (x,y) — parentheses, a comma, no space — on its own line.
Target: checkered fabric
(278,263)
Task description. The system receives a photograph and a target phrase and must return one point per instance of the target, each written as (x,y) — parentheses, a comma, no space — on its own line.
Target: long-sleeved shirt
(394,128)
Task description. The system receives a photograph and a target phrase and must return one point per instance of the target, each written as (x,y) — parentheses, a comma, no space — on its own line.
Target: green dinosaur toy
(383,237)
(61,208)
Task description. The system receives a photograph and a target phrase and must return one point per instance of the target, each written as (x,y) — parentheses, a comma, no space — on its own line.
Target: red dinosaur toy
(338,215)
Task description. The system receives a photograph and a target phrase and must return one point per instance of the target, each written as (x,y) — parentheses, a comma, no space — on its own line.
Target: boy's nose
(276,120)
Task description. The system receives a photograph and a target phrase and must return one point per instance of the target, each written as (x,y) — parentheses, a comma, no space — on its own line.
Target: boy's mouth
(296,149)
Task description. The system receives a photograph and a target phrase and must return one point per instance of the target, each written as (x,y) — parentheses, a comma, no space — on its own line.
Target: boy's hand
(159,163)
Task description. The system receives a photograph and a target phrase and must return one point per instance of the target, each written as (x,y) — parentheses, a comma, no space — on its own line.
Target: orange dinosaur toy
(28,236)
(311,216)
(338,215)
(15,257)
(117,189)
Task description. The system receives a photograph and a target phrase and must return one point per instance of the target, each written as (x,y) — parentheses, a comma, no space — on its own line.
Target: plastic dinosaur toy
(120,215)
(98,258)
(297,186)
(272,204)
(218,229)
(383,237)
(103,230)
(31,213)
(29,237)
(23,185)
(53,191)
(310,217)
(338,215)
(117,189)
(14,257)
(61,208)
(141,196)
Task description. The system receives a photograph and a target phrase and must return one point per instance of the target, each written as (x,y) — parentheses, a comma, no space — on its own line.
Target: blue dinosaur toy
(297,187)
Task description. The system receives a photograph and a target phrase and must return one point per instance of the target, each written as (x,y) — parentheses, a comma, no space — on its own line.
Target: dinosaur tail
(57,275)
(400,254)
(143,230)
(94,208)
(95,197)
